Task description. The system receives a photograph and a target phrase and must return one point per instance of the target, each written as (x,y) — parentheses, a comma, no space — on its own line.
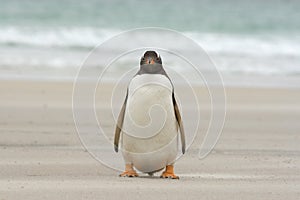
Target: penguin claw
(169,176)
(129,174)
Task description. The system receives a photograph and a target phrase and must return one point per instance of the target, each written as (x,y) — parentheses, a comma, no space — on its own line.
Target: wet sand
(41,157)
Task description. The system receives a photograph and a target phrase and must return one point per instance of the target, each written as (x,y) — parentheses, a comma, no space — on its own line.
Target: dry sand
(41,157)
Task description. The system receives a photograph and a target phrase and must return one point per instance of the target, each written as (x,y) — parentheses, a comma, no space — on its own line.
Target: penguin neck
(151,69)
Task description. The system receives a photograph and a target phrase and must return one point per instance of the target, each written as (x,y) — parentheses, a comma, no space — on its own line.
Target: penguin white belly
(149,139)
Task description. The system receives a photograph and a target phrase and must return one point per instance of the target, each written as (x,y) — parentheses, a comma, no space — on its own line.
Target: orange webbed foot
(129,174)
(169,173)
(129,171)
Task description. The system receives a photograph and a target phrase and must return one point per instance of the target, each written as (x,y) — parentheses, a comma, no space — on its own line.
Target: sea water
(51,38)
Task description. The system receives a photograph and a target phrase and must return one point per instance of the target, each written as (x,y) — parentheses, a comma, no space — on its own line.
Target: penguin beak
(149,61)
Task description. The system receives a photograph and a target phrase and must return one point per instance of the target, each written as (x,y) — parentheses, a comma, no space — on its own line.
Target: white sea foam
(89,37)
(258,45)
(65,48)
(53,37)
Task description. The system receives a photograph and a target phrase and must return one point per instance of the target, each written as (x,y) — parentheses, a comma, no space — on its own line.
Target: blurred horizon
(219,16)
(258,38)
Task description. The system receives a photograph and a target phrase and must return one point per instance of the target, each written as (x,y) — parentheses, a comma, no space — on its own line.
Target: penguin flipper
(119,125)
(180,124)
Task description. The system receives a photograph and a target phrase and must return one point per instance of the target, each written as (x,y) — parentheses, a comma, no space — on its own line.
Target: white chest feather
(149,123)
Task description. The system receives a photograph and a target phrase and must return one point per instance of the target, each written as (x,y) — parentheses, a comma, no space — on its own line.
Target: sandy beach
(252,46)
(256,157)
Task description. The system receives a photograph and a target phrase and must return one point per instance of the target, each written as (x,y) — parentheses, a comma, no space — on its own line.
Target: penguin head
(150,57)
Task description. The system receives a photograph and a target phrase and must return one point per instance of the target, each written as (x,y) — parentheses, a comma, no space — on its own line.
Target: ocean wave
(29,49)
(256,45)
(89,37)
(83,37)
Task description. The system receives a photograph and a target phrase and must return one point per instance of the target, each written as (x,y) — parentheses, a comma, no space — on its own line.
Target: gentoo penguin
(149,120)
